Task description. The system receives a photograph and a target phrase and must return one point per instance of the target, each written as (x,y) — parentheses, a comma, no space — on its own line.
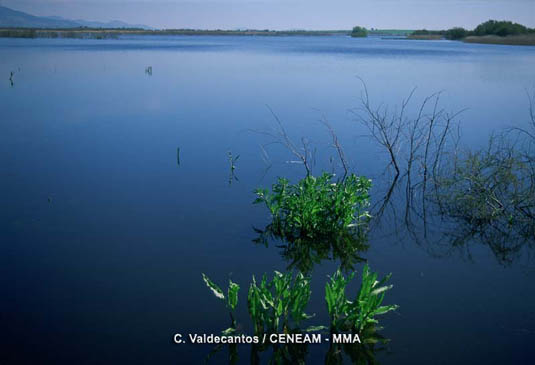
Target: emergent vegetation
(490,195)
(278,306)
(232,167)
(101,33)
(280,302)
(316,206)
(231,300)
(358,315)
(461,195)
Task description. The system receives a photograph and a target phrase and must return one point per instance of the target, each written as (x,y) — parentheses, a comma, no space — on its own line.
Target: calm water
(104,235)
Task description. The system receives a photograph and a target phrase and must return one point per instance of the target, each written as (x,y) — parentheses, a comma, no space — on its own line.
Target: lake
(117,192)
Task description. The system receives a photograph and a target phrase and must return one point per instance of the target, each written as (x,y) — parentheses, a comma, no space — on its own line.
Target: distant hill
(10,18)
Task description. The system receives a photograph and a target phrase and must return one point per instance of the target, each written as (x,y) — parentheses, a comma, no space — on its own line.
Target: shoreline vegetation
(519,40)
(489,32)
(101,33)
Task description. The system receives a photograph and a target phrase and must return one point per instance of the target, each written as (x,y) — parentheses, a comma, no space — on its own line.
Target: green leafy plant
(231,299)
(278,306)
(316,206)
(357,315)
(281,301)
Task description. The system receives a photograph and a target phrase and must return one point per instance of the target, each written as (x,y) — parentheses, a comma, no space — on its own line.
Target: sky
(287,14)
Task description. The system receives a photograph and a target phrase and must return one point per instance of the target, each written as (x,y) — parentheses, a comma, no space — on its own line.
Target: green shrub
(500,28)
(427,32)
(359,32)
(456,33)
(316,206)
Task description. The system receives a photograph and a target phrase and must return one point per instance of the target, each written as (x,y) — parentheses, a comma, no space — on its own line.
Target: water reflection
(356,353)
(302,253)
(280,354)
(359,354)
(266,353)
(490,197)
(447,197)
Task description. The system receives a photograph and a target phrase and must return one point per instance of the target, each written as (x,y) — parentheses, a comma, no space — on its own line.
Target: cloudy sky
(287,14)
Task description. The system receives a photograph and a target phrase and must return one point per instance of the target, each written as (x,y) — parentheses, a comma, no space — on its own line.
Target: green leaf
(385,309)
(232,294)
(213,287)
(381,290)
(229,331)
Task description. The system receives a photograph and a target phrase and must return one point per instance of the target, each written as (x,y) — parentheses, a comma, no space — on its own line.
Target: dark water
(104,235)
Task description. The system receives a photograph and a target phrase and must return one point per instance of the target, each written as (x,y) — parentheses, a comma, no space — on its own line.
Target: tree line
(490,27)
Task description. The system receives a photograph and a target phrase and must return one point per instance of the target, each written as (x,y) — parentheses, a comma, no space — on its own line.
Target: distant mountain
(12,18)
(110,24)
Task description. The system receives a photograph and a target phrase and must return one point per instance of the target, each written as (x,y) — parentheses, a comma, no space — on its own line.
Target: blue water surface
(105,232)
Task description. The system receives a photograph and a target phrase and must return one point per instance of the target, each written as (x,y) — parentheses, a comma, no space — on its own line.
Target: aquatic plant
(281,301)
(231,299)
(415,145)
(483,187)
(232,160)
(489,196)
(304,152)
(232,166)
(357,315)
(274,306)
(316,206)
(271,303)
(453,196)
(278,306)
